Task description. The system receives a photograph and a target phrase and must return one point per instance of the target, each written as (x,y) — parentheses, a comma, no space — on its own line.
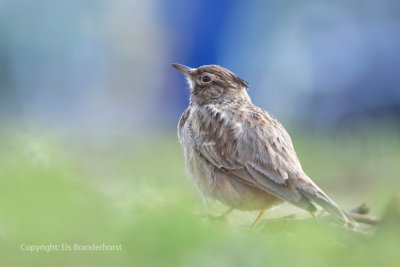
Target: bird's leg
(221,217)
(226,213)
(315,217)
(260,214)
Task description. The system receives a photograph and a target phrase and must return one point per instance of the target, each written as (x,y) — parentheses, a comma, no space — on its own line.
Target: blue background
(104,66)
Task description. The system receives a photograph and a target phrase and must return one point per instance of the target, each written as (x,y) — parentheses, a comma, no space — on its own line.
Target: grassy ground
(134,192)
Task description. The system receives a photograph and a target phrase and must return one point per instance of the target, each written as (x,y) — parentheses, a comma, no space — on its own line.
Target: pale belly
(216,184)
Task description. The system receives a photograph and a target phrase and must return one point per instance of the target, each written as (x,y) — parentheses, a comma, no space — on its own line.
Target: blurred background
(101,66)
(89,106)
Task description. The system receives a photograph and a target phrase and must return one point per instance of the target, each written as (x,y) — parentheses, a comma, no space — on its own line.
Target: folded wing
(253,147)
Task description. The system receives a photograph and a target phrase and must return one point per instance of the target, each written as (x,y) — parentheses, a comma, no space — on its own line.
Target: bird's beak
(187,71)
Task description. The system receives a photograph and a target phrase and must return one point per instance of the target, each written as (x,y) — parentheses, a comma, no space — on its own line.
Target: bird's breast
(197,167)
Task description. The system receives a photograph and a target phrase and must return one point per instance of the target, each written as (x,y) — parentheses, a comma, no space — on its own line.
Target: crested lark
(237,152)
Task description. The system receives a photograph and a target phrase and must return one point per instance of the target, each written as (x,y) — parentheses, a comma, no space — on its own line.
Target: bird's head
(212,82)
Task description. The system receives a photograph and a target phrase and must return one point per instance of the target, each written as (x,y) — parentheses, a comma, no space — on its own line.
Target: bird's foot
(219,219)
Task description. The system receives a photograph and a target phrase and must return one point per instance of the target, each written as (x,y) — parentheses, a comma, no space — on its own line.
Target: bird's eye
(206,79)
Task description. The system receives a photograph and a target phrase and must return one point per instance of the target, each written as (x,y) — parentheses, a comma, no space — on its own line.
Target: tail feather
(316,195)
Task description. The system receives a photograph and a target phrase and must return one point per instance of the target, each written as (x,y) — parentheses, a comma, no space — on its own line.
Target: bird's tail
(311,191)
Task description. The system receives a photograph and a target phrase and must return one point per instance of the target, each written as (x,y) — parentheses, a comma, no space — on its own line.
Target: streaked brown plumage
(237,152)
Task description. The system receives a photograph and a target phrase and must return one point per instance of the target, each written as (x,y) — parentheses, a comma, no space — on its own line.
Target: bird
(239,154)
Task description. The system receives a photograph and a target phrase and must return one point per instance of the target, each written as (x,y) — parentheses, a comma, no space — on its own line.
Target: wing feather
(254,148)
(242,147)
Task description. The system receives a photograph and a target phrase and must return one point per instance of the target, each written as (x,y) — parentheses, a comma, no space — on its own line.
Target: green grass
(134,192)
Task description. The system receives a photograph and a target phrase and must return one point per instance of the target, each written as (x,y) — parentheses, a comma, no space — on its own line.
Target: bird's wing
(252,146)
